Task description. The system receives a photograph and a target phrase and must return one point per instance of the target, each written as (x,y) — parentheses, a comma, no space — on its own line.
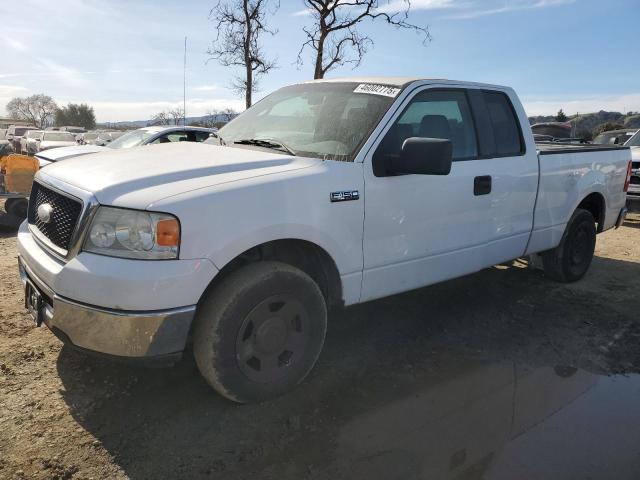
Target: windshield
(20,131)
(613,138)
(634,141)
(324,120)
(131,139)
(58,137)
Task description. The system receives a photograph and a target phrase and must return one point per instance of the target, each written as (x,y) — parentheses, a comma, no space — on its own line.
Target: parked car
(326,193)
(134,138)
(614,137)
(28,142)
(634,144)
(52,139)
(6,147)
(14,135)
(73,129)
(106,138)
(555,130)
(87,138)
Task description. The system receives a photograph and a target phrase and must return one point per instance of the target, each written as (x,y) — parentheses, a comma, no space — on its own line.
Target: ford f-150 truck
(322,194)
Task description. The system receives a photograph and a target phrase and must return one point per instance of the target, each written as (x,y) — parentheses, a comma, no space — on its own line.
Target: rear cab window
(507,134)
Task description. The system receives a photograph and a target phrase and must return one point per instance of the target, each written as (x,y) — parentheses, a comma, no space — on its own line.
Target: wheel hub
(272,338)
(271,335)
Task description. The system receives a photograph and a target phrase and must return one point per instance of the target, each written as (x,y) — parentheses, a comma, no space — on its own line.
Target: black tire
(16,207)
(570,260)
(260,331)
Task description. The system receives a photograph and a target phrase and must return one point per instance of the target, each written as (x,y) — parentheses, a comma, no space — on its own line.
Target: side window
(506,128)
(201,136)
(171,137)
(434,114)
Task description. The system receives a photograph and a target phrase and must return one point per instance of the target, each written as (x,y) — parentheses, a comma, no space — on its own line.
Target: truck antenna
(184,86)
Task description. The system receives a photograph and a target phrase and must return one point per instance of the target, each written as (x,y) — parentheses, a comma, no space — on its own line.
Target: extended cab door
(421,229)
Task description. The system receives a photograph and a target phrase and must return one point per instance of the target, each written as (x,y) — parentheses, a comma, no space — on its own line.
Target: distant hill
(144,123)
(591,122)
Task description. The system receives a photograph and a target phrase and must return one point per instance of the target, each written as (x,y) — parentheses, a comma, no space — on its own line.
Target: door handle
(482,185)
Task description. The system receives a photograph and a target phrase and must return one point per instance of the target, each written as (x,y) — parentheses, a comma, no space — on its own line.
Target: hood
(139,176)
(56,144)
(68,152)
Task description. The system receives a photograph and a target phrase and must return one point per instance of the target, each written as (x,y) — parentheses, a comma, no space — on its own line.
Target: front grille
(65,212)
(635,180)
(635,165)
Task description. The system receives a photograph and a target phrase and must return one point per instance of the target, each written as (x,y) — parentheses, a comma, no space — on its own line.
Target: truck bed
(565,181)
(553,148)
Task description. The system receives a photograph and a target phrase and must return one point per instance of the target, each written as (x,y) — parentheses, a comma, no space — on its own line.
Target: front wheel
(260,331)
(570,260)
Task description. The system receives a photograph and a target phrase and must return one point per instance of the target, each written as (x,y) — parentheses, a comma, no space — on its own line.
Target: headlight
(119,232)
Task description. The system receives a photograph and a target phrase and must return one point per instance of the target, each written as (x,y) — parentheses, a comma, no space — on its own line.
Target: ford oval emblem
(44,212)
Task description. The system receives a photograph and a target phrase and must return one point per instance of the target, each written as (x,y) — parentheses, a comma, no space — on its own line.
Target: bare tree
(239,25)
(38,109)
(209,119)
(218,118)
(160,118)
(334,37)
(176,115)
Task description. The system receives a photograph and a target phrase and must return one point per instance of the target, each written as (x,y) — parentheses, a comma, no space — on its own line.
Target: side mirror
(424,156)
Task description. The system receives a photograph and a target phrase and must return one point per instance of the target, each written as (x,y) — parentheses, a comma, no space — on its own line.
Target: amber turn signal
(168,233)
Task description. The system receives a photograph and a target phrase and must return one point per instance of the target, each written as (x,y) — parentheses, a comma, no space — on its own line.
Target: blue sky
(124,57)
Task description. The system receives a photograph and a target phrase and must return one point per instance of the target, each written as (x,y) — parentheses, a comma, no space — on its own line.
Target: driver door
(421,229)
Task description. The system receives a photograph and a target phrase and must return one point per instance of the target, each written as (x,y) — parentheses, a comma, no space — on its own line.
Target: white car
(54,139)
(87,138)
(326,193)
(105,138)
(634,186)
(134,138)
(28,143)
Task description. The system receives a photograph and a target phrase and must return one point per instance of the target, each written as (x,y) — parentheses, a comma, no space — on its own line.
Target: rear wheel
(16,207)
(570,260)
(260,331)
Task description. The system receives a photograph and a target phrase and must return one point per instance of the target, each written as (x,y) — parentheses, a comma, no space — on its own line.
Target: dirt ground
(64,415)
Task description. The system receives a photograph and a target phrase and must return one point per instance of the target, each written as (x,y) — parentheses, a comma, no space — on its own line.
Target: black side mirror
(424,156)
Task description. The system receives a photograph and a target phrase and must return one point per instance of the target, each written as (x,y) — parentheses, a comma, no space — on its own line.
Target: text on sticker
(377,89)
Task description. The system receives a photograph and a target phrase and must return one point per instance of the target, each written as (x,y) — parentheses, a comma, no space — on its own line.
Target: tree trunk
(319,57)
(249,85)
(319,73)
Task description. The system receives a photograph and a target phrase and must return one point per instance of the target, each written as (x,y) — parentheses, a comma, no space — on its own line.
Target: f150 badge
(344,196)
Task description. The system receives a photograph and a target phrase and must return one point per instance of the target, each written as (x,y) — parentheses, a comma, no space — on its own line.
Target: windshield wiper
(266,143)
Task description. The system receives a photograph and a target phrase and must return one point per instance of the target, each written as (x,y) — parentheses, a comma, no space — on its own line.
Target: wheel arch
(595,203)
(305,255)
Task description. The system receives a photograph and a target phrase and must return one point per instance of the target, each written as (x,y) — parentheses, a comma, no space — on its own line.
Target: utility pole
(184,86)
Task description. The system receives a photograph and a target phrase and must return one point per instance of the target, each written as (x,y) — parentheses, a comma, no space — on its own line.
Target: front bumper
(120,333)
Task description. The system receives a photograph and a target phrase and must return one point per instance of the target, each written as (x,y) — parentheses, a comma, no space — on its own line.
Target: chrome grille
(65,212)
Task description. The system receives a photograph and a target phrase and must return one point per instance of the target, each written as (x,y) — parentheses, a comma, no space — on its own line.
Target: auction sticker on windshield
(377,89)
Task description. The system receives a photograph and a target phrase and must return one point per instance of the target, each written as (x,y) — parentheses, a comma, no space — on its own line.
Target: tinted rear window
(505,124)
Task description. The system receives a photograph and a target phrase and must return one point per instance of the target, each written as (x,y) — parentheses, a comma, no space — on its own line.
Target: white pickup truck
(324,193)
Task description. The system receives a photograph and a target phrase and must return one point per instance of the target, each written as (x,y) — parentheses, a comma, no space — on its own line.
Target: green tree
(77,115)
(561,117)
(585,135)
(607,127)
